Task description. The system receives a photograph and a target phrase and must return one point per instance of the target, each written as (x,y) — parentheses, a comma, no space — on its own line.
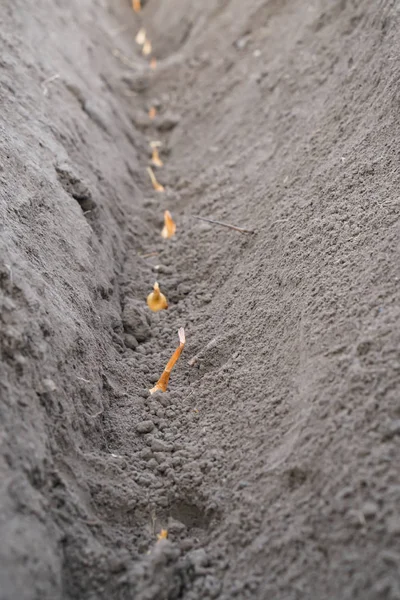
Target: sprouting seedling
(156,300)
(152,113)
(157,186)
(140,37)
(169,226)
(153,63)
(162,535)
(136,5)
(162,383)
(146,50)
(155,159)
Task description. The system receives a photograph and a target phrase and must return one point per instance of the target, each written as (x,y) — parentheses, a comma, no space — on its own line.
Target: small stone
(135,322)
(390,557)
(167,122)
(94,111)
(184,289)
(211,587)
(383,587)
(393,525)
(74,185)
(164,399)
(175,526)
(394,428)
(137,82)
(130,341)
(156,102)
(369,510)
(160,457)
(159,446)
(145,426)
(146,479)
(146,454)
(164,269)
(345,492)
(243,484)
(49,385)
(187,544)
(20,360)
(140,119)
(364,347)
(355,518)
(164,502)
(242,42)
(199,560)
(8,304)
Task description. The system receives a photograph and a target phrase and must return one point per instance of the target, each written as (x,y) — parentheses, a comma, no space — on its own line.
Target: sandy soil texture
(273,460)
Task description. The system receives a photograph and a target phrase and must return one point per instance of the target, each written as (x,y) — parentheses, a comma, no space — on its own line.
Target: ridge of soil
(273,460)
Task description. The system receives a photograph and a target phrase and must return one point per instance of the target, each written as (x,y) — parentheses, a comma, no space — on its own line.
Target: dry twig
(149,254)
(195,358)
(240,229)
(45,89)
(124,59)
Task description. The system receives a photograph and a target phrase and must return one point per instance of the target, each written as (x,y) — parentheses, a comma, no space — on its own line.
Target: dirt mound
(272,459)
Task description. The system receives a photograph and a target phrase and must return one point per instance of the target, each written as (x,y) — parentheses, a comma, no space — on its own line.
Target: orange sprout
(157,186)
(162,535)
(169,226)
(156,300)
(152,113)
(146,50)
(153,63)
(155,159)
(136,5)
(162,383)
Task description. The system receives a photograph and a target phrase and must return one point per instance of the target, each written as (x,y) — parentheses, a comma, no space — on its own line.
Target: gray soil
(273,461)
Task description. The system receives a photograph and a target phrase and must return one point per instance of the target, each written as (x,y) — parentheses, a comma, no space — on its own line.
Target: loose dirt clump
(269,467)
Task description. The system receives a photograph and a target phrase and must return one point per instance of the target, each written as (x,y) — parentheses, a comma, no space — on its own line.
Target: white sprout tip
(181,334)
(141,36)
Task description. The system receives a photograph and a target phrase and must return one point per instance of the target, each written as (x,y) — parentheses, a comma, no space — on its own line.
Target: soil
(273,460)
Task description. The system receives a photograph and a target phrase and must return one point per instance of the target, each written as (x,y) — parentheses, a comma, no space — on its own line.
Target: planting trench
(273,460)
